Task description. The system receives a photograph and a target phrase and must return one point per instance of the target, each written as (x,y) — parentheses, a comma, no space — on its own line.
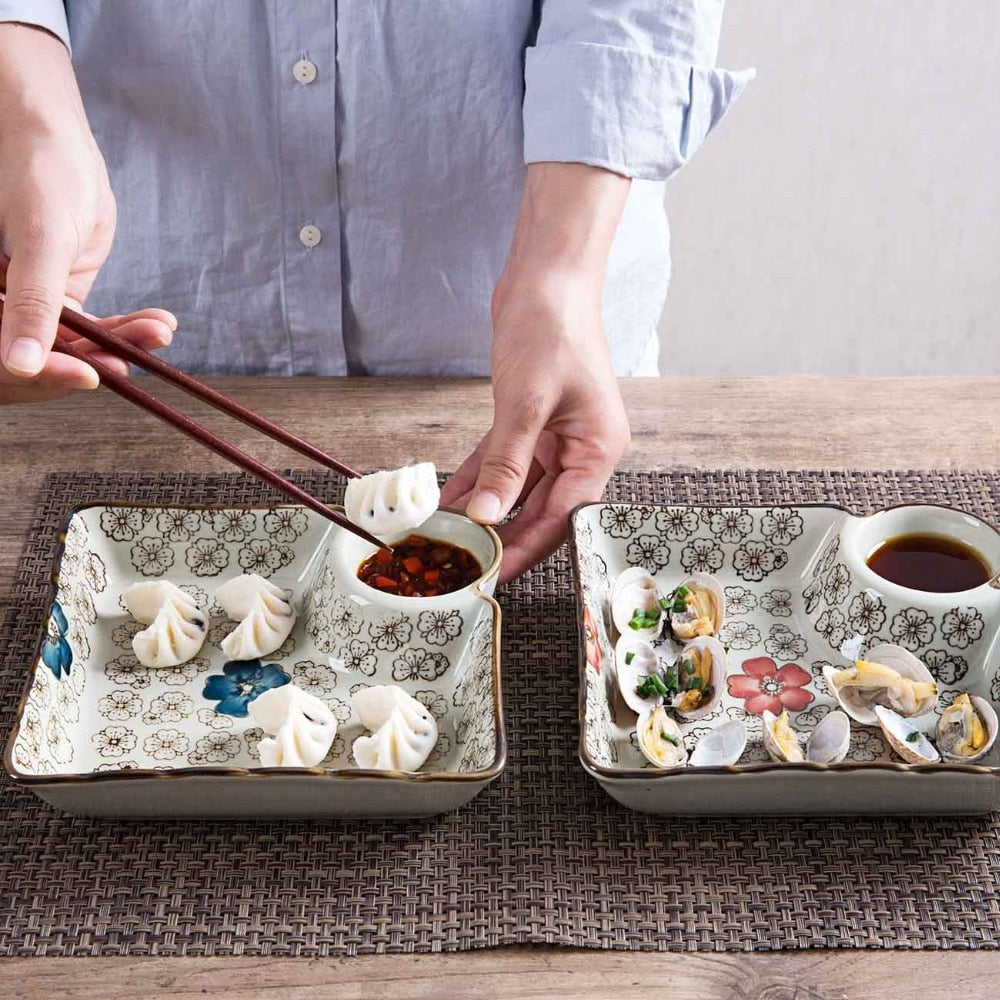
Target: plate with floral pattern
(98,733)
(799,596)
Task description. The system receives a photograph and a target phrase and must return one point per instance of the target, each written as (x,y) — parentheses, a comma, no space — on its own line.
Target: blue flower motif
(240,682)
(56,654)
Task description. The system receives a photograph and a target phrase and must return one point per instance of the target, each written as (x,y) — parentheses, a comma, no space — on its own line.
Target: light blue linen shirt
(330,186)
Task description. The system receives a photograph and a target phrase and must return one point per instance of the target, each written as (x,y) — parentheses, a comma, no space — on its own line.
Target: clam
(829,741)
(904,737)
(635,604)
(660,738)
(636,660)
(890,676)
(698,607)
(721,746)
(967,729)
(781,741)
(700,677)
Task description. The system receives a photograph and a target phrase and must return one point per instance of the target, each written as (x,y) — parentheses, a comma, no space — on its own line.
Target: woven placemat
(542,856)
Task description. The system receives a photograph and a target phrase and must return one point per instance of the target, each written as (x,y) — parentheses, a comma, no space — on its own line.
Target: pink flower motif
(764,687)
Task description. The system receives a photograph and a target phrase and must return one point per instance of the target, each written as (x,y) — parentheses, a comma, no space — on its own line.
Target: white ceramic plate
(99,734)
(799,596)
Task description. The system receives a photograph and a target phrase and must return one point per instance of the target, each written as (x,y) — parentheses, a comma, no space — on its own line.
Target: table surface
(677,423)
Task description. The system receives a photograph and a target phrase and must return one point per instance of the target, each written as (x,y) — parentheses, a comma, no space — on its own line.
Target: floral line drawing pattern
(961,627)
(649,552)
(439,627)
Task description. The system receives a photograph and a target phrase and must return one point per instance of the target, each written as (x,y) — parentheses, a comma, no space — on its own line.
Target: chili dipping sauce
(420,567)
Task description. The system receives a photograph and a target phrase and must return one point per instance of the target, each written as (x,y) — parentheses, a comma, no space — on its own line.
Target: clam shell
(774,750)
(718,676)
(653,723)
(635,588)
(829,741)
(918,749)
(902,661)
(989,716)
(644,662)
(702,581)
(721,746)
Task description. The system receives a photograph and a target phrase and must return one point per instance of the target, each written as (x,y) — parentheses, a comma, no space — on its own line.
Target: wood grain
(517,974)
(677,423)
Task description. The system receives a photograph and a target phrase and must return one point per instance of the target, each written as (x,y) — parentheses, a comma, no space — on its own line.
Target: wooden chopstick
(113,344)
(128,389)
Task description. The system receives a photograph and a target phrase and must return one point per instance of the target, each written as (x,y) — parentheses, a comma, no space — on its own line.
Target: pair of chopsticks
(126,388)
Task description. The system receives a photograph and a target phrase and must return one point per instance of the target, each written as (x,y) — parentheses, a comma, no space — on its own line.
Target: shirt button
(310,236)
(304,71)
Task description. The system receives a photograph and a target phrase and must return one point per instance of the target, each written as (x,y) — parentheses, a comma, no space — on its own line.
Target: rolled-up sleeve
(48,14)
(629,85)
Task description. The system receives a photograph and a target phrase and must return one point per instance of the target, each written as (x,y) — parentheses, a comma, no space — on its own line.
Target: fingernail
(25,357)
(484,508)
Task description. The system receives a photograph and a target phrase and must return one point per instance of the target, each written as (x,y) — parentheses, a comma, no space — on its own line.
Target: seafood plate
(748,660)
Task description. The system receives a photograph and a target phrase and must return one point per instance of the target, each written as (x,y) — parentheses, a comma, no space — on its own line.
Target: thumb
(36,282)
(506,460)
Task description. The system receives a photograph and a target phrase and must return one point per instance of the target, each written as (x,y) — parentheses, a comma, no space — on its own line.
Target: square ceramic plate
(799,596)
(99,734)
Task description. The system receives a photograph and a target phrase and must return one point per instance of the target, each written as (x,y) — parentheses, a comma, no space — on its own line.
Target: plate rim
(295,773)
(642,775)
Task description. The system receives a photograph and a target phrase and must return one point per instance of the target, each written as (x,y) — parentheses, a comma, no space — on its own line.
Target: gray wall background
(845,217)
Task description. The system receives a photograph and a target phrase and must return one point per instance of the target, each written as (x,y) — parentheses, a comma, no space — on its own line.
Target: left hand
(559,423)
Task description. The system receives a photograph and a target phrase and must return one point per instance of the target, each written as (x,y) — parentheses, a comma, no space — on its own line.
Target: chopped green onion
(687,666)
(651,685)
(681,592)
(664,603)
(693,684)
(629,656)
(912,737)
(670,739)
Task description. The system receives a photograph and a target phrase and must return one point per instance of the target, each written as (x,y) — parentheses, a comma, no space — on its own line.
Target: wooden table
(677,423)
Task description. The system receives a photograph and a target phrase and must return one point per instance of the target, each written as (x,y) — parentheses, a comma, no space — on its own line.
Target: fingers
(506,460)
(541,525)
(148,333)
(457,490)
(61,376)
(36,282)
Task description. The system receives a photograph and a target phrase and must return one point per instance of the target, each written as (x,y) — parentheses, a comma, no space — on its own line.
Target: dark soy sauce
(929,562)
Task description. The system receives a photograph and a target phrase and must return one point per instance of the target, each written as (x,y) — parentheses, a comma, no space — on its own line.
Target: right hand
(57,220)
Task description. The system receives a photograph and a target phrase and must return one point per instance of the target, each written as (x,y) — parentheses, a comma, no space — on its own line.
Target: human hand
(559,423)
(57,219)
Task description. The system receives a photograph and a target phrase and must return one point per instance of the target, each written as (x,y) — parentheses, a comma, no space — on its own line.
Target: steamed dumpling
(403,731)
(177,626)
(301,728)
(395,500)
(265,616)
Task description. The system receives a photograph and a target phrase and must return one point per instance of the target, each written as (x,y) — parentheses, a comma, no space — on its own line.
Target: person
(363,187)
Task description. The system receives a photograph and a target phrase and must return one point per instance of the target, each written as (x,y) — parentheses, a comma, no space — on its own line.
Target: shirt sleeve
(48,14)
(629,85)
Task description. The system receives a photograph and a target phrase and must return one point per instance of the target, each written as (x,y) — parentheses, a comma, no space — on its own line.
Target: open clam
(829,741)
(635,662)
(889,676)
(967,729)
(700,672)
(904,737)
(635,604)
(781,741)
(698,607)
(721,746)
(660,738)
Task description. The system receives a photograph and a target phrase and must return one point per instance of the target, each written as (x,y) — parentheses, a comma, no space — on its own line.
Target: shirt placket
(306,53)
